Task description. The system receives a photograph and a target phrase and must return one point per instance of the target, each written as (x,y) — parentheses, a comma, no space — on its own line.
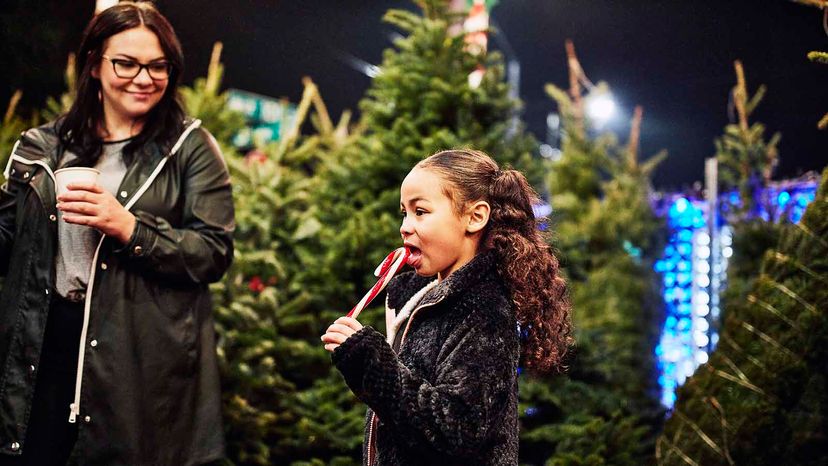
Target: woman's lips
(140,95)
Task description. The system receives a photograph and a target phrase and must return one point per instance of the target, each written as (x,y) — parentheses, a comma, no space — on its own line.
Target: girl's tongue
(414,257)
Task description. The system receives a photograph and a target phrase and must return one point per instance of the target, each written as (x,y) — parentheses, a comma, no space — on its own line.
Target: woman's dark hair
(79,128)
(528,266)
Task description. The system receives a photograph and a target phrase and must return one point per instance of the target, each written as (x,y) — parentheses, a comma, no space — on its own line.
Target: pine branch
(214,70)
(648,167)
(813,3)
(818,57)
(635,136)
(15,99)
(756,99)
(740,96)
(823,123)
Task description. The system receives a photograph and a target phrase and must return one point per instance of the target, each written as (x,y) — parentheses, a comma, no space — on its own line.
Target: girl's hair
(79,127)
(528,266)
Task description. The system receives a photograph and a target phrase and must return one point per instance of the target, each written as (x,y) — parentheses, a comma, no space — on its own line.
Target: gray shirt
(77,243)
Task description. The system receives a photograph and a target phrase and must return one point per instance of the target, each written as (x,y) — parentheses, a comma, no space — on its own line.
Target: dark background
(674,57)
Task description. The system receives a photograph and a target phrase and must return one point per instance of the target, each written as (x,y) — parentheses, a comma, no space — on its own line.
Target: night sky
(672,57)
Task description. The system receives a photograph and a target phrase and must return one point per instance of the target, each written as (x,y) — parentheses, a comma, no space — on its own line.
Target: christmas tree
(605,411)
(421,102)
(746,160)
(761,399)
(280,404)
(746,163)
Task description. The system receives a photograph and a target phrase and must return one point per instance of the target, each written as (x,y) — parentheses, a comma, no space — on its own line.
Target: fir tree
(280,404)
(421,102)
(606,410)
(746,160)
(746,164)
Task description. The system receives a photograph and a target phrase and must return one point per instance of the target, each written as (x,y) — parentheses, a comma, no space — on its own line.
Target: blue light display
(686,221)
(693,270)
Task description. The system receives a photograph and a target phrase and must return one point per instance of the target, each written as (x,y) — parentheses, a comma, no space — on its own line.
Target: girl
(107,347)
(442,386)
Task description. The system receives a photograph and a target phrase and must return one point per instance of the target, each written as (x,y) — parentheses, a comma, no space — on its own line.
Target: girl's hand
(339,331)
(90,205)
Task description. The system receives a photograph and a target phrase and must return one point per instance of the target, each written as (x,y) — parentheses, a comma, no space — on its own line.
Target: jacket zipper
(74,407)
(371,428)
(371,433)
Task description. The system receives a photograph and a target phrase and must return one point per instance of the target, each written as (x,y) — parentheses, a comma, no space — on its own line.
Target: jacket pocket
(168,319)
(180,307)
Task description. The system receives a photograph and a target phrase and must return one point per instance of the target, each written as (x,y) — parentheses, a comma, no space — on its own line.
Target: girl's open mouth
(415,257)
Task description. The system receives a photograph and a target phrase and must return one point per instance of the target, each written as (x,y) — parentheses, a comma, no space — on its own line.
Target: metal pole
(711,181)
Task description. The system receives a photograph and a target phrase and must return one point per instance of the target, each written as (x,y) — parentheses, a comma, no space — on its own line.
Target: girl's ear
(478,216)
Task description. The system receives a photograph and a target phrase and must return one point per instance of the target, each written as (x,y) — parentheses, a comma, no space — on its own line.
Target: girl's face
(438,238)
(131,98)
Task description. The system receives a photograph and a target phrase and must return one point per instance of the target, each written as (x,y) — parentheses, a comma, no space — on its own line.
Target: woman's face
(131,98)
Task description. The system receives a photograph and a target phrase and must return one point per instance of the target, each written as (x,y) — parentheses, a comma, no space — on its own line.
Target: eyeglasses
(128,69)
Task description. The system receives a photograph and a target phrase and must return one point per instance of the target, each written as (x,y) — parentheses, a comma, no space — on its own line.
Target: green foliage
(761,398)
(818,57)
(281,402)
(205,101)
(746,160)
(751,240)
(10,130)
(421,102)
(605,411)
(578,422)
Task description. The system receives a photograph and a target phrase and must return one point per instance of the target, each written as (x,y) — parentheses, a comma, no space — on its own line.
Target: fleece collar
(410,290)
(402,288)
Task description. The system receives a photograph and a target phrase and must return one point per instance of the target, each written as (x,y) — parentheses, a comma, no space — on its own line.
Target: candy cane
(385,271)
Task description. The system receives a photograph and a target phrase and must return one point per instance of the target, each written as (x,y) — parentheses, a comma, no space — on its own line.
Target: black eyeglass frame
(141,67)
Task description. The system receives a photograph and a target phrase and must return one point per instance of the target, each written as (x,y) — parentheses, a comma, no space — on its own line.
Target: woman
(106,335)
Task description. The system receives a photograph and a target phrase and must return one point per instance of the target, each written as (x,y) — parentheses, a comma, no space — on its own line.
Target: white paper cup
(66,176)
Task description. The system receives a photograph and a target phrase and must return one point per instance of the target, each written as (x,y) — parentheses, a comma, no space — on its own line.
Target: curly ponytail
(528,266)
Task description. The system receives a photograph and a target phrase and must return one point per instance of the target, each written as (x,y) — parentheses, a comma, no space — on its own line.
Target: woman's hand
(339,331)
(90,205)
